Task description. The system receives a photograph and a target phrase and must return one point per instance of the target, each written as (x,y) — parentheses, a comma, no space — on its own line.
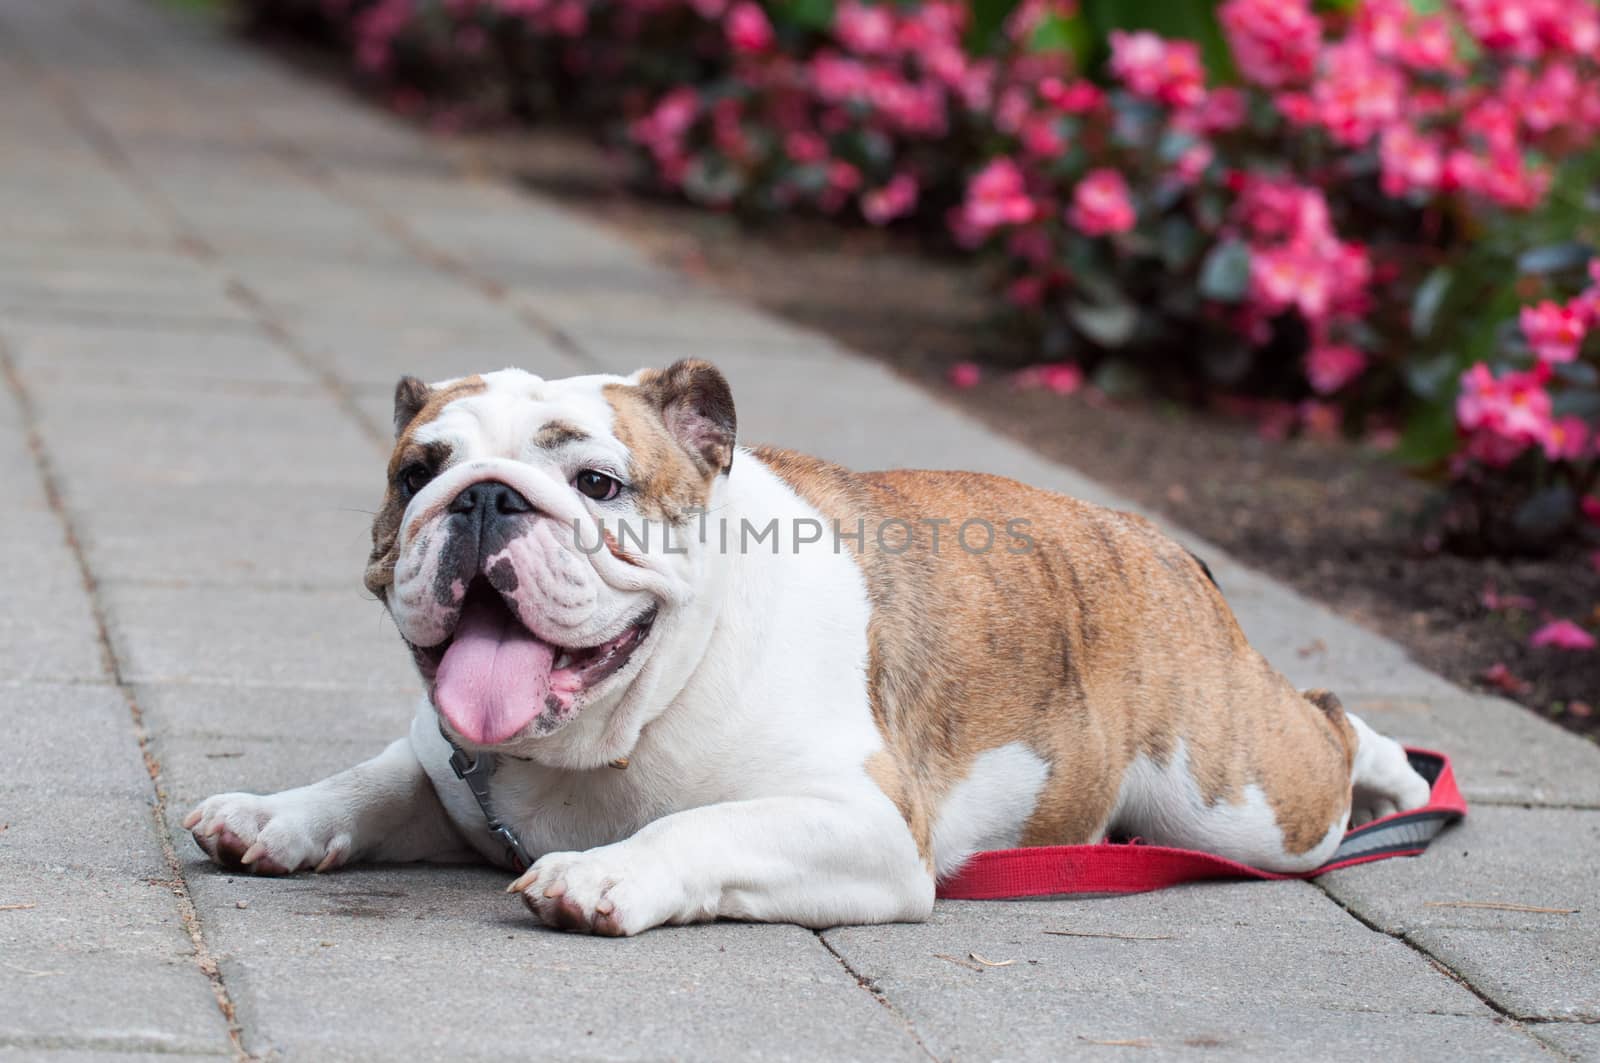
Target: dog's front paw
(602,891)
(269,835)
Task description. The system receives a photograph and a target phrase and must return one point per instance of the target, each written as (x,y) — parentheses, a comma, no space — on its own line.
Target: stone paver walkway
(211,272)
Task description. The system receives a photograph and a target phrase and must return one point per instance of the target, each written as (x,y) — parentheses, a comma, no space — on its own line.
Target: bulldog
(686,680)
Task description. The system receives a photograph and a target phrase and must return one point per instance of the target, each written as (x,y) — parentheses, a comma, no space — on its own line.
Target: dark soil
(1340,523)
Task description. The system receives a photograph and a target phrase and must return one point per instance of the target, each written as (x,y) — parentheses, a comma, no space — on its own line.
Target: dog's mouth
(493,677)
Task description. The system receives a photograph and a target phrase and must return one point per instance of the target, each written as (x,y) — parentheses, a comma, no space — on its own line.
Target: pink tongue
(494,676)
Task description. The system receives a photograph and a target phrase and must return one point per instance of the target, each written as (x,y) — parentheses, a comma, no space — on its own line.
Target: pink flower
(1554,331)
(1281,278)
(662,131)
(1100,204)
(1192,164)
(1590,508)
(996,197)
(1357,94)
(1223,111)
(1510,180)
(1505,415)
(894,200)
(1275,42)
(843,176)
(1410,161)
(1430,45)
(1073,97)
(864,28)
(1157,69)
(1503,25)
(1026,292)
(1061,378)
(1331,366)
(1566,439)
(1549,101)
(1494,601)
(1041,136)
(965,375)
(1499,676)
(748,29)
(1562,634)
(804,147)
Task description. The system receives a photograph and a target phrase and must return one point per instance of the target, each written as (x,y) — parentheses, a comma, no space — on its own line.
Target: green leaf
(1058,34)
(1225,273)
(1425,304)
(1106,324)
(1430,435)
(1434,379)
(1178,241)
(1118,379)
(988,16)
(814,15)
(1555,258)
(1545,516)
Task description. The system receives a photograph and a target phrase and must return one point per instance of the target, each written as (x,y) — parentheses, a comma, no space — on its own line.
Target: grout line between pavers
(188,914)
(108,1045)
(326,178)
(870,987)
(1516,1021)
(104,145)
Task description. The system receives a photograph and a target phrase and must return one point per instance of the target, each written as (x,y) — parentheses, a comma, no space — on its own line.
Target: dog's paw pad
(264,835)
(584,892)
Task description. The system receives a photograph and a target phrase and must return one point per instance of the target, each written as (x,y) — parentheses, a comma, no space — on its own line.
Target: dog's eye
(414,478)
(596,485)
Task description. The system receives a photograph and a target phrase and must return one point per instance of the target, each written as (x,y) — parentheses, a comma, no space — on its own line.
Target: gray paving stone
(193,437)
(1534,964)
(101,959)
(86,357)
(74,790)
(256,636)
(224,715)
(687,316)
(69,1049)
(47,628)
(100,956)
(1501,752)
(304,961)
(1251,969)
(233,534)
(1575,1040)
(43,722)
(211,739)
(184,292)
(372,365)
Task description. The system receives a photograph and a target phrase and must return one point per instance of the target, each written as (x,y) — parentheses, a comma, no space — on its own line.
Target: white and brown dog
(829,688)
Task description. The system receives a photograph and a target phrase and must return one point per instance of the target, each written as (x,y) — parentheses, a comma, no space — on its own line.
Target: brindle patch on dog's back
(1103,641)
(416,405)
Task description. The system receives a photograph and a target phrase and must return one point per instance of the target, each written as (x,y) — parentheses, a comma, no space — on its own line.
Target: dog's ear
(410,396)
(696,405)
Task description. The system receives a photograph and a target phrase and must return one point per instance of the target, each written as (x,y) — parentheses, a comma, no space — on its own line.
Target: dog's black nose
(490,499)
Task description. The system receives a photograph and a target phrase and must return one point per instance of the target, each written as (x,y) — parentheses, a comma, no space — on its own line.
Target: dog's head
(525,546)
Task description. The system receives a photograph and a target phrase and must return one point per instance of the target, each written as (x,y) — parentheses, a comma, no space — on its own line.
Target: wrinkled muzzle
(506,616)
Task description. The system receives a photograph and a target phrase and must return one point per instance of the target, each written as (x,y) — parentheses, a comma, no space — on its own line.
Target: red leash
(1051,870)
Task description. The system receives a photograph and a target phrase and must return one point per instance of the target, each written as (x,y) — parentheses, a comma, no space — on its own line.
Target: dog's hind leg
(1279,797)
(382,810)
(1383,781)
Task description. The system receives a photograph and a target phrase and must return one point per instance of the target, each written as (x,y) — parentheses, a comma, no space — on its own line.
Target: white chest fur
(777,704)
